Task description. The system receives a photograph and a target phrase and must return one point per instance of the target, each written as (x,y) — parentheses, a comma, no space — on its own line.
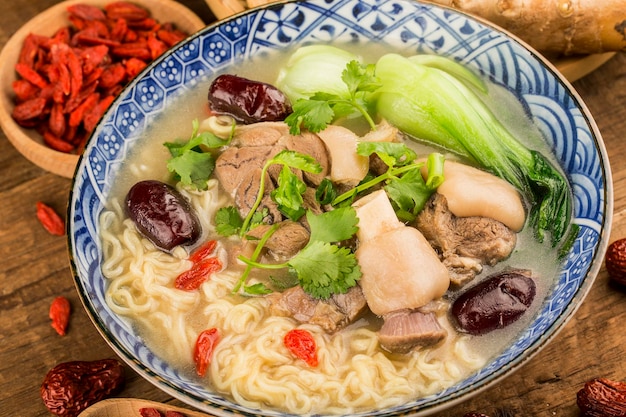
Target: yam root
(555,27)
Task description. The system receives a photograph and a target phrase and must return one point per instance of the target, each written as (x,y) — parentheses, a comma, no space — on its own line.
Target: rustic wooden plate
(28,142)
(572,68)
(124,407)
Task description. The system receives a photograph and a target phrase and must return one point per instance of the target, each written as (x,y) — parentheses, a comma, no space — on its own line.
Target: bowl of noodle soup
(125,283)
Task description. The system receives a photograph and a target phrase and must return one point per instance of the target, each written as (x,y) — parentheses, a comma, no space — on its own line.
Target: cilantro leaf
(313,115)
(393,154)
(257,289)
(190,163)
(324,269)
(228,222)
(333,226)
(319,110)
(288,194)
(193,168)
(290,159)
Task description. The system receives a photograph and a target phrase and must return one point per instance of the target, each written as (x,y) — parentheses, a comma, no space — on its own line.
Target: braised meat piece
(465,244)
(332,314)
(404,330)
(286,241)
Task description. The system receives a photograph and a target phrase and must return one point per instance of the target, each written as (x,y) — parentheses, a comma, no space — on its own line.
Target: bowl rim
(451,399)
(28,141)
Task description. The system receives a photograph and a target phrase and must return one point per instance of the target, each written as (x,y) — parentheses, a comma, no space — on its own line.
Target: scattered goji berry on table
(60,314)
(153,412)
(67,81)
(149,412)
(50,220)
(302,345)
(203,351)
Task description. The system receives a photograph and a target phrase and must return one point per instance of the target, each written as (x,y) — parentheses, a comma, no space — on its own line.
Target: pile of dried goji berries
(68,80)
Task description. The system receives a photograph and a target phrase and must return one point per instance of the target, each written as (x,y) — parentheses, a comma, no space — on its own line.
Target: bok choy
(426,97)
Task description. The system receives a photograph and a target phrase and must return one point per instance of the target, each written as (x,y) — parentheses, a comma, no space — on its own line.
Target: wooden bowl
(28,141)
(572,68)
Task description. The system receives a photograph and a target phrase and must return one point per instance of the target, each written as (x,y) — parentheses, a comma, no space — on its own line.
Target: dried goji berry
(56,122)
(99,52)
(77,116)
(134,49)
(170,37)
(172,413)
(56,143)
(30,74)
(91,119)
(60,314)
(49,219)
(149,412)
(203,351)
(125,10)
(302,345)
(29,109)
(203,251)
(113,75)
(24,90)
(134,66)
(86,11)
(192,279)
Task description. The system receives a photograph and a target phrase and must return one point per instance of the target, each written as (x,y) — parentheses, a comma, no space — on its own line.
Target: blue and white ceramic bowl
(413,27)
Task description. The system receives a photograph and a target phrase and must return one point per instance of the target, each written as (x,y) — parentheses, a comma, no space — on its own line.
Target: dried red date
(162,214)
(246,100)
(615,261)
(494,303)
(71,387)
(602,397)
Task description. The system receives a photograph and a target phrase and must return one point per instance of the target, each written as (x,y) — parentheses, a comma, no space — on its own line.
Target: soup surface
(250,363)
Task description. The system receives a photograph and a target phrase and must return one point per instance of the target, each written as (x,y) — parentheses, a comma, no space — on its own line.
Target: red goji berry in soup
(302,345)
(205,345)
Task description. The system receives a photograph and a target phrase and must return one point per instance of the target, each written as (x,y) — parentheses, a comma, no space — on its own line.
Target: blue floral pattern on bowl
(408,26)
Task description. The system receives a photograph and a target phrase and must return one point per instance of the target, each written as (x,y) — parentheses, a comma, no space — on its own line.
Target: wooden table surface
(34,269)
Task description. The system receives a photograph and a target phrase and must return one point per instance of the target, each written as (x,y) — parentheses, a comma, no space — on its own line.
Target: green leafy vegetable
(228,222)
(322,268)
(314,69)
(316,112)
(190,163)
(403,180)
(325,269)
(424,98)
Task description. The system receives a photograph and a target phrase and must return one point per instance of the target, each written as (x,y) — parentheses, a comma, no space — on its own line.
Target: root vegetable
(556,27)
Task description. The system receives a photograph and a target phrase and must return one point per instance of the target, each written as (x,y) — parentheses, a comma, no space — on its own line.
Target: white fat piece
(400,270)
(346,166)
(473,192)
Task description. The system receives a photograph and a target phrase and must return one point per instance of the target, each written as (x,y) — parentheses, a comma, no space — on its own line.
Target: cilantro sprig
(191,162)
(319,110)
(322,267)
(402,181)
(288,193)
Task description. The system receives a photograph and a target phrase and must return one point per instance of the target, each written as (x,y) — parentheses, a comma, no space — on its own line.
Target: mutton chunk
(286,241)
(331,315)
(405,330)
(239,167)
(465,244)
